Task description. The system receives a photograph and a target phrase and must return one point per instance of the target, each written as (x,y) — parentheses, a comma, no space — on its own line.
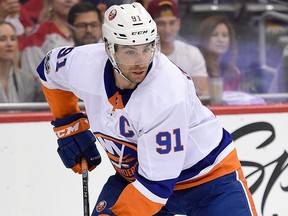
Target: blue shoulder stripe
(40,70)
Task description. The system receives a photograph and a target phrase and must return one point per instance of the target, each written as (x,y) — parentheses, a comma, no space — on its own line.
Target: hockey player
(170,153)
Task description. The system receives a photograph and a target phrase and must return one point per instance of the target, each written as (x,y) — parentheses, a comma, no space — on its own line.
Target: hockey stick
(85,187)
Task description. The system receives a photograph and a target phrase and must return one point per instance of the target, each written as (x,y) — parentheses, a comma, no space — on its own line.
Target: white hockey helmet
(128,24)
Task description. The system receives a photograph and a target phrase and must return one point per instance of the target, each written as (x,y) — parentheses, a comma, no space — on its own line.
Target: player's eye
(147,50)
(130,52)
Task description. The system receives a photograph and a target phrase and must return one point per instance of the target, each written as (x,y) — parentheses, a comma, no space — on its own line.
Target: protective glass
(135,54)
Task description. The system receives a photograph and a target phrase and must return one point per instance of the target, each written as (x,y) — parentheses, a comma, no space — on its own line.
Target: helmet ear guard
(157,47)
(110,49)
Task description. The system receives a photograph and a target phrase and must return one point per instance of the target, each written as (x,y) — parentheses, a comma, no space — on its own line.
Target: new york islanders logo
(112,14)
(122,155)
(101,206)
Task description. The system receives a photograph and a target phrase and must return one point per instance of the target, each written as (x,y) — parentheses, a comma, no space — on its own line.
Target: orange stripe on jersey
(132,202)
(116,101)
(62,103)
(117,159)
(245,185)
(228,165)
(113,157)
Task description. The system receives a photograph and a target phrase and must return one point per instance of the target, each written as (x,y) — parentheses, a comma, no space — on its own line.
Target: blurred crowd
(30,28)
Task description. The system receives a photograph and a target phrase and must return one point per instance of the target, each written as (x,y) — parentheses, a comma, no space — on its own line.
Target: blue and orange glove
(76,141)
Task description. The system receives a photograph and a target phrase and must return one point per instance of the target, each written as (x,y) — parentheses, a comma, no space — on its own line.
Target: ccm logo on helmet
(140,32)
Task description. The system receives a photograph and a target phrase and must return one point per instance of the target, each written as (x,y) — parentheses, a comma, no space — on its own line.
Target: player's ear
(106,46)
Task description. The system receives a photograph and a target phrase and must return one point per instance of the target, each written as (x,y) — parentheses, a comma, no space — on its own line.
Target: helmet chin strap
(121,73)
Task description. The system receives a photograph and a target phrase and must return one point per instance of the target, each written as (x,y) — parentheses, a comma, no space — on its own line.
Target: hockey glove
(76,141)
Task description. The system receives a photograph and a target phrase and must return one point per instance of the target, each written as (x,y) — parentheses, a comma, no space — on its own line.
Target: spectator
(10,12)
(279,83)
(52,32)
(15,85)
(86,21)
(145,3)
(185,56)
(32,8)
(217,41)
(9,8)
(102,5)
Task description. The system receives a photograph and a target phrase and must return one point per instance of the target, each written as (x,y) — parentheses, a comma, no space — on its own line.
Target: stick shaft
(85,187)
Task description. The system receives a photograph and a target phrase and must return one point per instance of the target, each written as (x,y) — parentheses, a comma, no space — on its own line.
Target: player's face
(167,28)
(133,61)
(87,28)
(8,43)
(219,40)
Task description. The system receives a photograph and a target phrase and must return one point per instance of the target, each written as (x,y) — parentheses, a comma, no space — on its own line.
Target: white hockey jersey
(159,136)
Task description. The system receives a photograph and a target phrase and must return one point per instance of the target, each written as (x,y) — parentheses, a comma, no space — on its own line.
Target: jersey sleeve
(54,75)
